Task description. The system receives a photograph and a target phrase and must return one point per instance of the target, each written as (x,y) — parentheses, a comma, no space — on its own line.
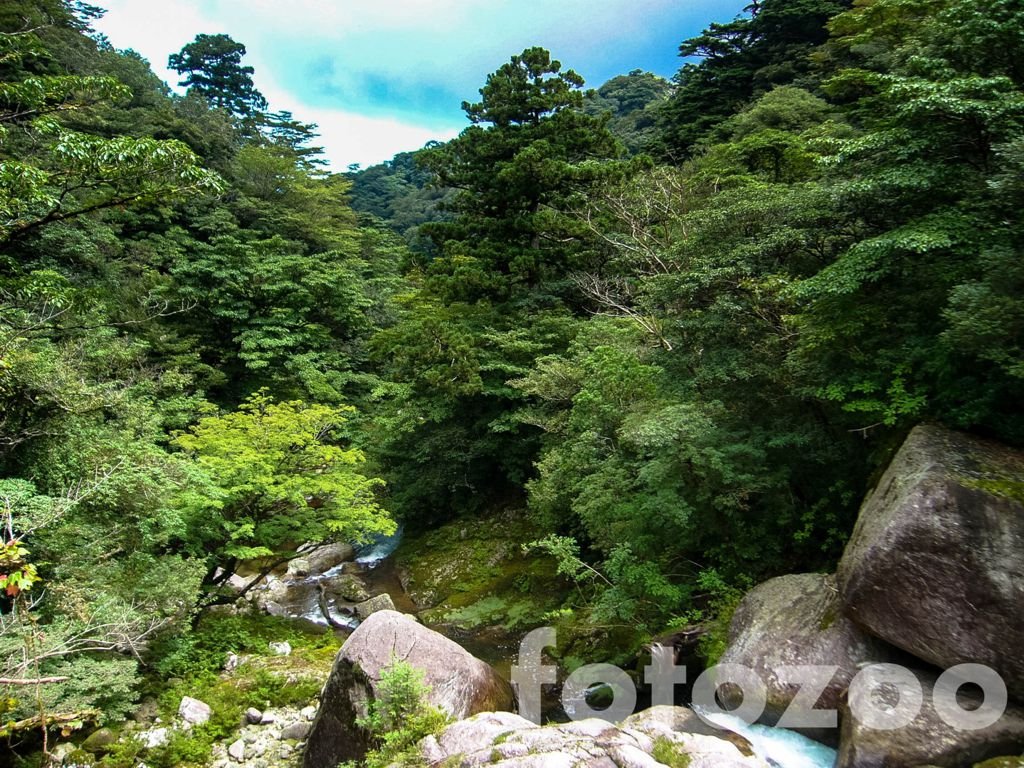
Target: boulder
(147,711)
(194,711)
(375,604)
(284,648)
(927,740)
(296,731)
(298,568)
(253,715)
(328,556)
(348,587)
(272,591)
(935,565)
(154,737)
(99,741)
(797,620)
(662,721)
(59,753)
(237,750)
(459,683)
(504,739)
(276,609)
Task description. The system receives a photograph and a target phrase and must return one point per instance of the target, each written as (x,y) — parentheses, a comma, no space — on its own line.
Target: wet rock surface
(797,620)
(927,740)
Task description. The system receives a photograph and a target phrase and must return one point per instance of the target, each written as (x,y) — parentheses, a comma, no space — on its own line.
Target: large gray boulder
(935,565)
(194,711)
(317,560)
(797,620)
(460,684)
(506,740)
(328,556)
(273,591)
(927,740)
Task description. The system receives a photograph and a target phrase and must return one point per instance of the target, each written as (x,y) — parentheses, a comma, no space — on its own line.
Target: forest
(680,324)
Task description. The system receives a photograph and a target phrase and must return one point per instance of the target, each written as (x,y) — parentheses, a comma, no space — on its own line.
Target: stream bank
(469,580)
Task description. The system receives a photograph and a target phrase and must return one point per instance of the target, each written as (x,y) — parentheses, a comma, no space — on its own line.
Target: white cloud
(156,30)
(383,76)
(349,138)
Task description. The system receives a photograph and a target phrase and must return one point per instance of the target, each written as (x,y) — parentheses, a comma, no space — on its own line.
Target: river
(375,567)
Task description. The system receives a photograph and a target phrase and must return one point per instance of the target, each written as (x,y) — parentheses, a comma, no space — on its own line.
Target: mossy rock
(1002,762)
(99,741)
(79,757)
(473,573)
(349,587)
(580,642)
(670,754)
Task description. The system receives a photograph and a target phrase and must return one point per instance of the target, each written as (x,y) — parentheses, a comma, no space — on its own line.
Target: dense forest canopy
(682,323)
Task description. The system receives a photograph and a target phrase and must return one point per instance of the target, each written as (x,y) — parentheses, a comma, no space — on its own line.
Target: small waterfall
(776,746)
(382,548)
(304,601)
(303,598)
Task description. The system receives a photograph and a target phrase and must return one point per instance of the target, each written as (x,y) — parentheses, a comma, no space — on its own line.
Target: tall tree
(212,65)
(529,152)
(741,60)
(496,295)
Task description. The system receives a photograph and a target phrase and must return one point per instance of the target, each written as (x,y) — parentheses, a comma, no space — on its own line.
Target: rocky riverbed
(933,577)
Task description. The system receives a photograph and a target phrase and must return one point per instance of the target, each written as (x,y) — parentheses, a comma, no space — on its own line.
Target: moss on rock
(473,573)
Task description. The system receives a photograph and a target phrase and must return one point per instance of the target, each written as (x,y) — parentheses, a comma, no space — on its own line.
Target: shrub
(400,716)
(670,754)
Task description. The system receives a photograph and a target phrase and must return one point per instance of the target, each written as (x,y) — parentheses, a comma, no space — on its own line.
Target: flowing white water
(776,746)
(303,596)
(372,554)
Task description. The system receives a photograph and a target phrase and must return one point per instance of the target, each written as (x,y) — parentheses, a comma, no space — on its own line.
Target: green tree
(739,61)
(530,153)
(212,66)
(50,173)
(633,101)
(400,716)
(277,479)
(906,323)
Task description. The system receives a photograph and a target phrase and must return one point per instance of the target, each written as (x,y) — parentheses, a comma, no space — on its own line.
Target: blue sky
(384,76)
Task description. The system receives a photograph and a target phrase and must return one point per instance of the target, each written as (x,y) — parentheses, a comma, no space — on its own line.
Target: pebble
(237,751)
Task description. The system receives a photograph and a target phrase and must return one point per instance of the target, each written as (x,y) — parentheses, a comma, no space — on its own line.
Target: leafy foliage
(741,60)
(277,480)
(687,368)
(212,65)
(400,715)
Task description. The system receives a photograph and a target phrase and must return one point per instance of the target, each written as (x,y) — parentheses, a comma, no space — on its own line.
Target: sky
(385,76)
